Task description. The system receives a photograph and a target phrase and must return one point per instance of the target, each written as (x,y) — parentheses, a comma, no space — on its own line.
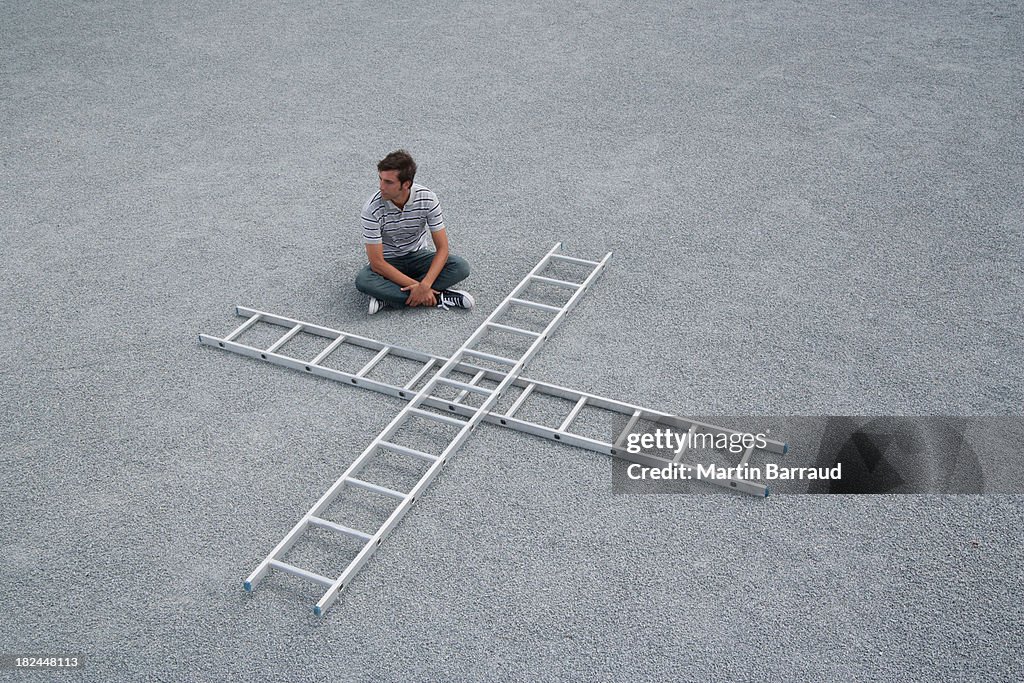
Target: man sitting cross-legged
(399,222)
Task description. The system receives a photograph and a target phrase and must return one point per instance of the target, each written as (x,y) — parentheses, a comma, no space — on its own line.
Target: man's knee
(363,279)
(458,267)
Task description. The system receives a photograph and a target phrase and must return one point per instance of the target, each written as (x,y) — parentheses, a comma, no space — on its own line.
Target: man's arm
(375,253)
(422,293)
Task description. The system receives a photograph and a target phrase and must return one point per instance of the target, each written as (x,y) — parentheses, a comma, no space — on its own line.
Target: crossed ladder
(452,410)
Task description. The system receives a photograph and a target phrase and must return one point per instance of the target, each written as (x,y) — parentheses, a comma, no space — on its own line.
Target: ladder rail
(545,388)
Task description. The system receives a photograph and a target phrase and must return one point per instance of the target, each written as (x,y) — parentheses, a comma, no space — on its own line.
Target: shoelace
(442,303)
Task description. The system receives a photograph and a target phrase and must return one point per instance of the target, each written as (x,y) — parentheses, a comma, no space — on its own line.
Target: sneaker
(454,298)
(375,305)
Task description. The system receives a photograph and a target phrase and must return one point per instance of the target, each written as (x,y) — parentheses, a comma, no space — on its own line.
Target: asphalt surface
(814,211)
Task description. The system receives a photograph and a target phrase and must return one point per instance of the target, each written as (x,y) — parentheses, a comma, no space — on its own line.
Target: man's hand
(420,295)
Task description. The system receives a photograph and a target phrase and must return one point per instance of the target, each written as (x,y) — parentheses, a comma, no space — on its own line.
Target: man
(399,223)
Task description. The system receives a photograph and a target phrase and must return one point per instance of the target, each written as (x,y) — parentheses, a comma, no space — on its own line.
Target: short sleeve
(435,221)
(371,224)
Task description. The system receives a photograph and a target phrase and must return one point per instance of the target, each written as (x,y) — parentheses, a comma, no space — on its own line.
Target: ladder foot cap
(248,587)
(785,448)
(316,611)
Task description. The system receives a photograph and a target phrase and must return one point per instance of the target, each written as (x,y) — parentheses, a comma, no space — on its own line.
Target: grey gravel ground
(814,210)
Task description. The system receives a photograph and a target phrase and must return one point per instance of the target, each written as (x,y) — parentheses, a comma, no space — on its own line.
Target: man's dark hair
(400,161)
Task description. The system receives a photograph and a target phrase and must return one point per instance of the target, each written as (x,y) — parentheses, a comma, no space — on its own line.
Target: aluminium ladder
(415,408)
(561,431)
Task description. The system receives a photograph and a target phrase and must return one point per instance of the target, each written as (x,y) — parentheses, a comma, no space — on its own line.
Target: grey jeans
(415,265)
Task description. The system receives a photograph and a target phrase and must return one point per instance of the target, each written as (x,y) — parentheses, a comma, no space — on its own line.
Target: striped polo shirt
(402,231)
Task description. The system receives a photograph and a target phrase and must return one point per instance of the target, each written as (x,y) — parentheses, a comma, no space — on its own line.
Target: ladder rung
(383,490)
(476,378)
(535,304)
(373,361)
(573,414)
(438,417)
(465,387)
(405,450)
(520,400)
(557,282)
(284,339)
(515,330)
(327,524)
(686,445)
(298,571)
(419,373)
(243,327)
(746,456)
(572,259)
(629,427)
(338,341)
(489,356)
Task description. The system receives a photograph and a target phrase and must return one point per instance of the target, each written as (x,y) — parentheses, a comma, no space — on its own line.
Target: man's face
(390,188)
